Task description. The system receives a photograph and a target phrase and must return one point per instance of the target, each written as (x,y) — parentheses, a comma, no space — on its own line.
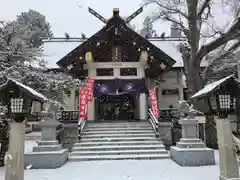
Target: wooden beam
(89,59)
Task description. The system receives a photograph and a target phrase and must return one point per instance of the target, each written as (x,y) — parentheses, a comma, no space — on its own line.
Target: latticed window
(226,104)
(224,101)
(16,105)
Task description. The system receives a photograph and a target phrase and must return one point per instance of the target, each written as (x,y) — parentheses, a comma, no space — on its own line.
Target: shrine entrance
(116,107)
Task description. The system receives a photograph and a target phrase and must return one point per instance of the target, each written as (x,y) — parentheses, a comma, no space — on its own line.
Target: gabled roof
(109,36)
(56,49)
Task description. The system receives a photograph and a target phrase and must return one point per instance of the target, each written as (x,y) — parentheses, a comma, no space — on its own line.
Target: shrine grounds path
(122,170)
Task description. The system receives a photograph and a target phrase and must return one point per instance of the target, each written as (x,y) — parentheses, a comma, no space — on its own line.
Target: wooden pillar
(143,109)
(91,73)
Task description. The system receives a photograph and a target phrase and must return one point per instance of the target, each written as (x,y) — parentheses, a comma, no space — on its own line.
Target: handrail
(151,114)
(81,124)
(154,123)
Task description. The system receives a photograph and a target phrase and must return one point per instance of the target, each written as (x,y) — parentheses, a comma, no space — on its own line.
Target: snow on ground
(121,170)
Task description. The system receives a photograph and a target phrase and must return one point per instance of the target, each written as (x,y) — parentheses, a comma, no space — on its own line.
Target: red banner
(153,101)
(83,101)
(89,87)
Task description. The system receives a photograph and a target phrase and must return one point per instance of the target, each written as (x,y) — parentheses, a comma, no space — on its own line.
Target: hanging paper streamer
(89,87)
(83,101)
(153,101)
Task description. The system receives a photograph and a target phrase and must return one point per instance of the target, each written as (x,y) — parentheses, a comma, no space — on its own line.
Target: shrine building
(125,65)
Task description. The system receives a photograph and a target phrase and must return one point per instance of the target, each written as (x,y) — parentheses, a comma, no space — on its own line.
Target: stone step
(117,143)
(118,157)
(119,125)
(116,139)
(190,145)
(120,152)
(117,132)
(47,148)
(88,129)
(102,148)
(119,122)
(117,135)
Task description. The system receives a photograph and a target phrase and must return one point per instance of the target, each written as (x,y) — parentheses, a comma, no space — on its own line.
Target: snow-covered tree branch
(202,27)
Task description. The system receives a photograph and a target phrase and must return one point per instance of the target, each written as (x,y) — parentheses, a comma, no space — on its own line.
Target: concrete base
(46,160)
(223,178)
(192,156)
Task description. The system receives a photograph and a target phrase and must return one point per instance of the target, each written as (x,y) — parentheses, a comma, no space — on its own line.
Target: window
(105,72)
(169,92)
(128,71)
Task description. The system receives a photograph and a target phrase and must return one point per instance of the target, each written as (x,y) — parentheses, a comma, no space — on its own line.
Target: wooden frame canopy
(116,33)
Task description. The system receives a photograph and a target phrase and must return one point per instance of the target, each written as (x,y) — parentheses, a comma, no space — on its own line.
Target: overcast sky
(66,16)
(72,16)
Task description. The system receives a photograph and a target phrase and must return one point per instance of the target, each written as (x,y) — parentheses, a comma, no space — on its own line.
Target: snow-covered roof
(28,90)
(211,87)
(171,49)
(54,50)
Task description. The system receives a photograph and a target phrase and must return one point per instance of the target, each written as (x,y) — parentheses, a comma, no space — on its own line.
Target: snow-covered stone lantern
(224,91)
(18,98)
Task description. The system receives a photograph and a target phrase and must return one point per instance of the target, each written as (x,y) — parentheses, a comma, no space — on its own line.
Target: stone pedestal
(190,150)
(49,153)
(227,155)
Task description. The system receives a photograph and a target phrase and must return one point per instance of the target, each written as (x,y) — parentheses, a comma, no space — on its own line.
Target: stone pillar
(15,155)
(190,150)
(227,156)
(91,105)
(49,153)
(143,109)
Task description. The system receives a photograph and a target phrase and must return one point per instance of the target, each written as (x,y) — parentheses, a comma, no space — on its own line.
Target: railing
(81,124)
(68,116)
(154,123)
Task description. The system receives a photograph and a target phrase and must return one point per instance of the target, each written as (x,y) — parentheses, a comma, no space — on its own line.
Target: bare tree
(197,21)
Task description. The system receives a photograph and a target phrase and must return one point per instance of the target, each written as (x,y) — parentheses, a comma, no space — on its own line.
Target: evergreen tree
(32,26)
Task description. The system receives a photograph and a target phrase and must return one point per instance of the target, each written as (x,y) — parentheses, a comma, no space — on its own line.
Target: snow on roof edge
(30,90)
(209,87)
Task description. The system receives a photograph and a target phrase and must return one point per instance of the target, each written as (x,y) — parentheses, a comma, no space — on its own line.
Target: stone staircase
(118,141)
